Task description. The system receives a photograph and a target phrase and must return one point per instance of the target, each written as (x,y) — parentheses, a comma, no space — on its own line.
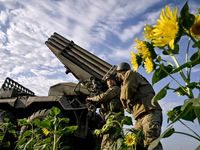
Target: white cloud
(40,84)
(196,69)
(130,32)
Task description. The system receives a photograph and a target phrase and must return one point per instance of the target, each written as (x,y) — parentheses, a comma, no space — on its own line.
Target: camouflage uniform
(138,93)
(110,105)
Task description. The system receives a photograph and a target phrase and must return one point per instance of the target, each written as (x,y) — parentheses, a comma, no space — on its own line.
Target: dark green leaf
(186,19)
(187,113)
(138,133)
(47,140)
(12,130)
(6,144)
(197,113)
(180,91)
(69,129)
(22,121)
(139,59)
(171,115)
(27,133)
(167,132)
(159,59)
(55,111)
(160,73)
(127,121)
(160,94)
(111,117)
(6,119)
(20,142)
(181,67)
(44,124)
(185,9)
(195,103)
(65,120)
(176,49)
(195,45)
(117,144)
(195,56)
(192,85)
(151,50)
(179,35)
(114,131)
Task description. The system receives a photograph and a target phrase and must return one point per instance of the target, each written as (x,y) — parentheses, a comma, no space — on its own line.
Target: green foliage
(5,128)
(190,109)
(162,93)
(160,73)
(186,19)
(112,129)
(165,134)
(45,134)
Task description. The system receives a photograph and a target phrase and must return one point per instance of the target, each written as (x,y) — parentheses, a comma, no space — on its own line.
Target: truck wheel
(7,114)
(41,114)
(8,136)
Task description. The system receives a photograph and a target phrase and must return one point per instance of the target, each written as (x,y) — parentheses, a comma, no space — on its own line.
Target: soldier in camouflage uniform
(110,105)
(136,94)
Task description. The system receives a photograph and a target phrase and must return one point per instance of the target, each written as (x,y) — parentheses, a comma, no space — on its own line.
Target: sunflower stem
(189,92)
(193,39)
(169,63)
(187,56)
(189,128)
(187,135)
(176,81)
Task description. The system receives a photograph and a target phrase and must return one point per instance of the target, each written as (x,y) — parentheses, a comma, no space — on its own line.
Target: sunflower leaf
(161,94)
(160,73)
(186,19)
(167,133)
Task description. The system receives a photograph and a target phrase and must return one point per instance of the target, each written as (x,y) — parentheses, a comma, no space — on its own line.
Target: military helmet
(123,66)
(110,76)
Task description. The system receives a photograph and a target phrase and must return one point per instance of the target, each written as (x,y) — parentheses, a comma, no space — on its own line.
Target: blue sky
(106,28)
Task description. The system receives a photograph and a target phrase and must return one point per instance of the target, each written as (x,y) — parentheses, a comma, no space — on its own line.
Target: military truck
(17,101)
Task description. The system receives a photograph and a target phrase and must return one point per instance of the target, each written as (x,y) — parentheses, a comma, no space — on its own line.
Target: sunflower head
(142,48)
(195,29)
(167,29)
(134,61)
(149,32)
(148,65)
(129,140)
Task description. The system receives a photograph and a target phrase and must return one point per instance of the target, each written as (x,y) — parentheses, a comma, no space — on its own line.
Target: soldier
(136,94)
(110,105)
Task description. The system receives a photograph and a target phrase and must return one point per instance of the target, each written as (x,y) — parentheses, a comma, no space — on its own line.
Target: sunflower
(142,48)
(148,65)
(134,61)
(46,132)
(167,29)
(195,29)
(149,32)
(129,140)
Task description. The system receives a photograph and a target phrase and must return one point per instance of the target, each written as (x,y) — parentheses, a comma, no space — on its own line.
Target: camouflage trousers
(106,141)
(150,122)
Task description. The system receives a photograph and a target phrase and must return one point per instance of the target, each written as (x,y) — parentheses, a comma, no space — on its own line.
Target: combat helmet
(123,66)
(110,76)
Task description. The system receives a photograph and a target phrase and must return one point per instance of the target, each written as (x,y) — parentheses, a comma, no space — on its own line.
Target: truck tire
(7,114)
(8,136)
(41,114)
